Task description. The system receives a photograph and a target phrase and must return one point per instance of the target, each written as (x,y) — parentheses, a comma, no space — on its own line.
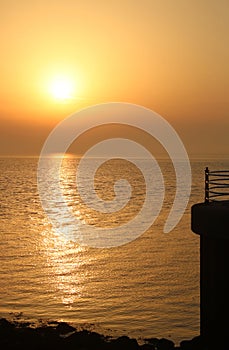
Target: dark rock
(47,334)
(152,341)
(165,344)
(193,344)
(84,339)
(147,347)
(124,343)
(6,327)
(64,328)
(160,344)
(28,338)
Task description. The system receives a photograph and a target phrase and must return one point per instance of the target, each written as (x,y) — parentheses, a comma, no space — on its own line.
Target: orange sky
(170,56)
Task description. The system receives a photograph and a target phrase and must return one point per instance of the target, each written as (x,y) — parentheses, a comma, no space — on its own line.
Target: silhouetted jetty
(210,220)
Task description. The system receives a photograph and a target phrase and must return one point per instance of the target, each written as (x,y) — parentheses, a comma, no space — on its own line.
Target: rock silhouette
(60,335)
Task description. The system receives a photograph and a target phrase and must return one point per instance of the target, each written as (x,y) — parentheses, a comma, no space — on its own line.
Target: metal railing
(216,185)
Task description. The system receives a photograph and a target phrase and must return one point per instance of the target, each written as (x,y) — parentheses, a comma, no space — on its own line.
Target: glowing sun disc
(62,88)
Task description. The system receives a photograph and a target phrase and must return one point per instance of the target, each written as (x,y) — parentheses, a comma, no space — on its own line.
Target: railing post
(207,185)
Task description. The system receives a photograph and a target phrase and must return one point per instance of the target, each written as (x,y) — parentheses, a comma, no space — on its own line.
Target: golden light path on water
(65,278)
(64,258)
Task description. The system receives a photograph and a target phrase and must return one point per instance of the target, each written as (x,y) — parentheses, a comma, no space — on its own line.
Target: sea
(146,287)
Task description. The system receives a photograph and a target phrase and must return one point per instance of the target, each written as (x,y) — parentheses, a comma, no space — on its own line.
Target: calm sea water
(146,288)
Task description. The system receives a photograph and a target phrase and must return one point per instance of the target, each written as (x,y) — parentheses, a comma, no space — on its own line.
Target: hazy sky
(171,56)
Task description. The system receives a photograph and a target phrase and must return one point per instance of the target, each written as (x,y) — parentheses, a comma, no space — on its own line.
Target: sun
(62,88)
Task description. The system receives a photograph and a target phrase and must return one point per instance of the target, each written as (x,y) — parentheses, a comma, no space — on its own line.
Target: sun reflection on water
(69,265)
(65,262)
(65,259)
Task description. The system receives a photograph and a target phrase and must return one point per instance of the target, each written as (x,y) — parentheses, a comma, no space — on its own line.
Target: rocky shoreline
(61,335)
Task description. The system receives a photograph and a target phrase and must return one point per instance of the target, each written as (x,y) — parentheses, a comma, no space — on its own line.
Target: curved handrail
(215,182)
